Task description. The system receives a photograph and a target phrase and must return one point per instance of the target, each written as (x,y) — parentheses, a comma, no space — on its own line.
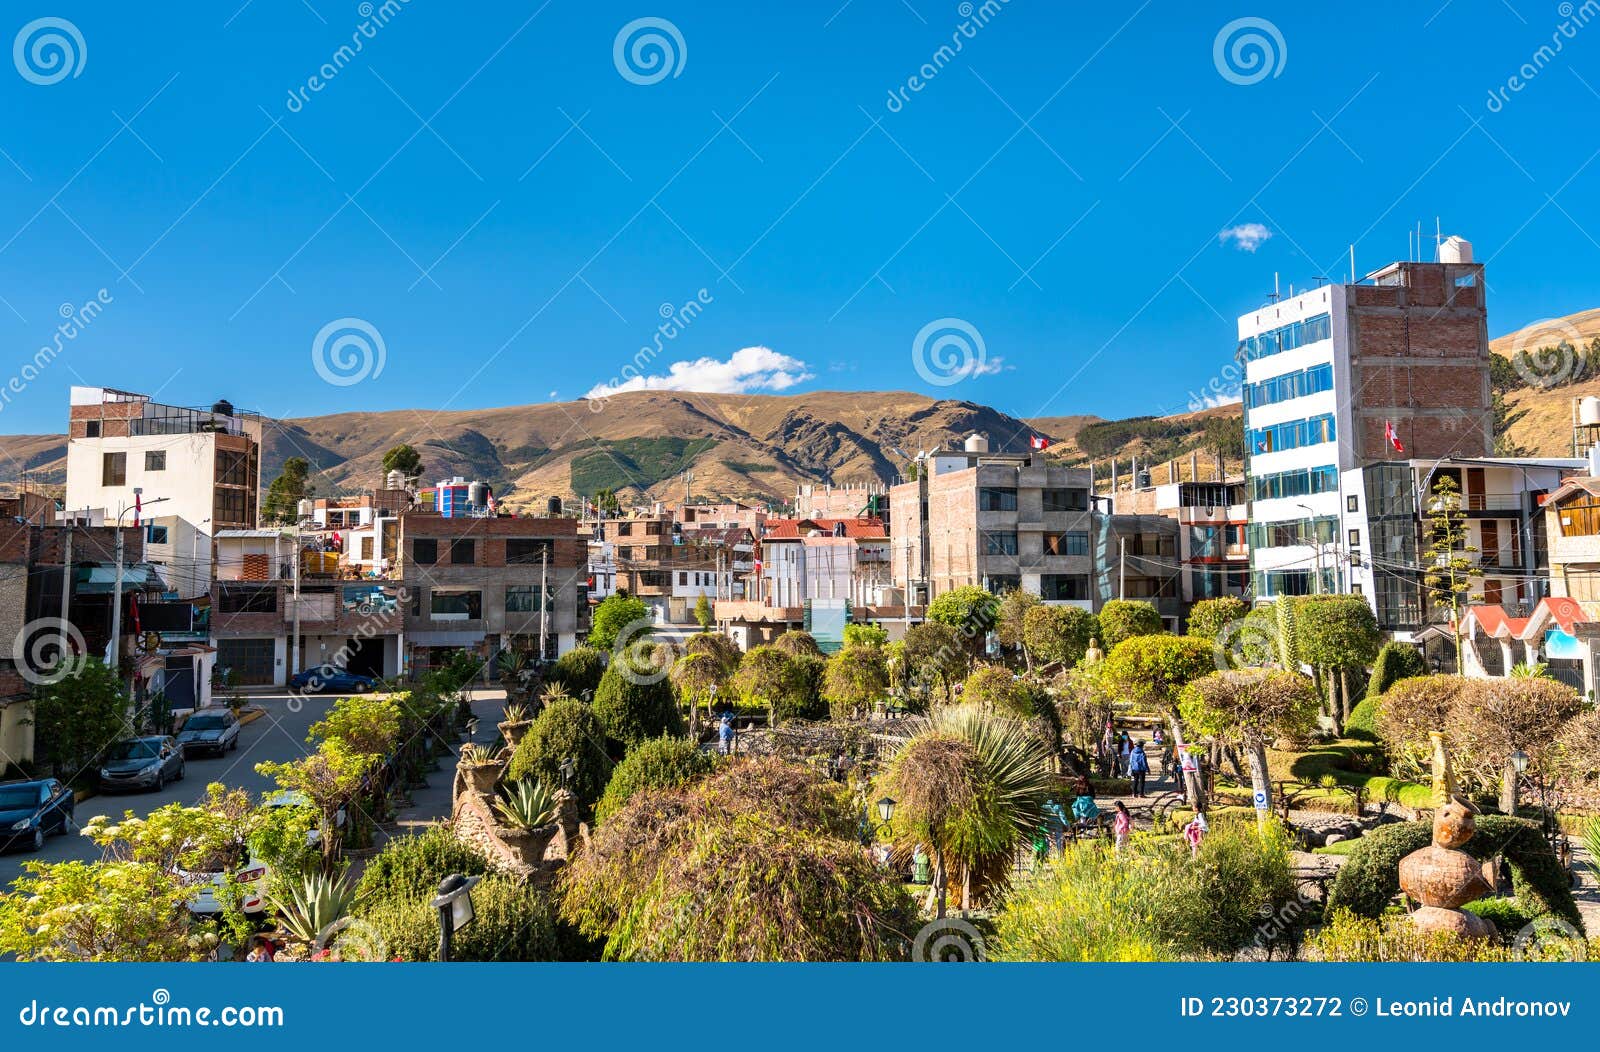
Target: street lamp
(1519,760)
(454,903)
(138,505)
(569,770)
(886,809)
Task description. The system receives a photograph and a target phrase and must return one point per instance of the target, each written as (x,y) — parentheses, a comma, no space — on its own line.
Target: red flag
(1038,443)
(1394,439)
(138,508)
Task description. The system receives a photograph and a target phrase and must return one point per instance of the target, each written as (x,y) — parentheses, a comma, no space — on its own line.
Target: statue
(1094,654)
(1441,876)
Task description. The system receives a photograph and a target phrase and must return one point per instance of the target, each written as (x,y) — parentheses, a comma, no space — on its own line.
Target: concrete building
(1340,380)
(199,470)
(1213,550)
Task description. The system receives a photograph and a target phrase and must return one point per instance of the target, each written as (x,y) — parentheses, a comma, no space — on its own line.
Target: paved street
(278,735)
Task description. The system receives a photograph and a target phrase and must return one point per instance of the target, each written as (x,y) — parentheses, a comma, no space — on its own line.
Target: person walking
(1122,826)
(1124,751)
(1195,832)
(725,734)
(1138,767)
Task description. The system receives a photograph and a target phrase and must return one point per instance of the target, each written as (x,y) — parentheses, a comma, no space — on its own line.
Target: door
(1491,593)
(1474,497)
(179,683)
(1489,550)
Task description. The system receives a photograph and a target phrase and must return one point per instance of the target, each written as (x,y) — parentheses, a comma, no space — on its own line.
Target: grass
(639,462)
(1350,763)
(1343,847)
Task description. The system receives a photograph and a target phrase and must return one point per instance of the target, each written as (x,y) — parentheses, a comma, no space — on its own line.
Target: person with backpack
(1138,767)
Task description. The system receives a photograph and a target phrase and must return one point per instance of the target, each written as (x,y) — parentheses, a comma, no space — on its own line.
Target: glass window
(425,552)
(999,544)
(456,605)
(155,460)
(155,534)
(1292,434)
(114,469)
(1064,586)
(1066,500)
(1310,381)
(91,429)
(463,551)
(1298,483)
(997,500)
(1074,542)
(522,599)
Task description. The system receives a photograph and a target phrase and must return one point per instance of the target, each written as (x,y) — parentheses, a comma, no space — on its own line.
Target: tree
(934,651)
(996,689)
(1449,576)
(605,500)
(969,610)
(1250,707)
(1122,619)
(567,729)
(287,491)
(615,613)
(1010,620)
(579,670)
(796,644)
(760,861)
(1333,634)
(1058,635)
(330,778)
(366,723)
(1151,671)
(858,634)
(971,787)
(770,677)
(1517,714)
(405,459)
(99,911)
(634,702)
(1395,661)
(856,677)
(77,716)
(703,613)
(1412,709)
(1209,617)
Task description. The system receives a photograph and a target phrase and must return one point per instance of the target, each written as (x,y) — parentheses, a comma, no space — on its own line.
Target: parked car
(142,763)
(209,730)
(248,873)
(331,678)
(31,811)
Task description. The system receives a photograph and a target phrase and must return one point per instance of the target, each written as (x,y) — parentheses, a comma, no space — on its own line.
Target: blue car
(31,811)
(331,679)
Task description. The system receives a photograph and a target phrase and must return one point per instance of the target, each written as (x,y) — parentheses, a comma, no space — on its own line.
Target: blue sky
(1059,186)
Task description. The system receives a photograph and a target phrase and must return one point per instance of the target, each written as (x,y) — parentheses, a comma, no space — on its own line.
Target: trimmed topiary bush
(1363,721)
(579,670)
(1395,661)
(661,763)
(635,702)
(797,644)
(412,866)
(807,703)
(1122,619)
(511,922)
(1370,879)
(566,729)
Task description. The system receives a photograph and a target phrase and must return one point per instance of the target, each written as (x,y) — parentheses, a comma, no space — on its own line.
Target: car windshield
(15,796)
(138,749)
(205,723)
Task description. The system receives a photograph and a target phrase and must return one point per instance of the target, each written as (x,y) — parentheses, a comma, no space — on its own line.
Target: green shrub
(512,922)
(579,670)
(1395,661)
(807,702)
(1370,879)
(566,729)
(1122,619)
(661,763)
(412,866)
(1509,915)
(1352,937)
(797,644)
(1209,617)
(1363,721)
(634,701)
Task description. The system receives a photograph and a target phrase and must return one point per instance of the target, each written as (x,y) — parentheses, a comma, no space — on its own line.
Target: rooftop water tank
(223,407)
(478,494)
(1455,250)
(305,508)
(395,479)
(1589,410)
(552,507)
(977,443)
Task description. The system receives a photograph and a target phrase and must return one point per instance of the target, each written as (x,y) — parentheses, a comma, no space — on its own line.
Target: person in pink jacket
(1122,826)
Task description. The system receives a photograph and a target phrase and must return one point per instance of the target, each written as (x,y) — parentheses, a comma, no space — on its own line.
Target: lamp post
(454,903)
(1516,764)
(569,770)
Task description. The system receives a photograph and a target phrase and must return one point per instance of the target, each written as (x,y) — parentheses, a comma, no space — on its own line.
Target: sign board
(1191,765)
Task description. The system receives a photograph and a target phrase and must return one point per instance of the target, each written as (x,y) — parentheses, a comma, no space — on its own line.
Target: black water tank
(223,406)
(553,507)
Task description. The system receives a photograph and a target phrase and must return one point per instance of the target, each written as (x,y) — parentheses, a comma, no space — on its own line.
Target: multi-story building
(827,559)
(668,565)
(199,471)
(1339,381)
(1213,548)
(847,501)
(997,520)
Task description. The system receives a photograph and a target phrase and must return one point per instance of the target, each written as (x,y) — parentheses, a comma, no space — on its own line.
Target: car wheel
(161,780)
(38,839)
(179,778)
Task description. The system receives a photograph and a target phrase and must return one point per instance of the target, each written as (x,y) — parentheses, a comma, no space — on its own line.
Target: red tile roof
(795,529)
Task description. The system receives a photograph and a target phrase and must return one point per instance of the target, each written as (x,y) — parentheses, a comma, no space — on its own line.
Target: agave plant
(312,905)
(527,805)
(555,692)
(516,712)
(475,755)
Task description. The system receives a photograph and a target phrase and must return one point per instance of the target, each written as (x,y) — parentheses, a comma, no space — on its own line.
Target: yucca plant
(527,805)
(555,692)
(475,755)
(516,712)
(310,906)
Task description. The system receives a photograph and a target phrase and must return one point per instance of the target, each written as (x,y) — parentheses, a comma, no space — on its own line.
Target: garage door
(250,660)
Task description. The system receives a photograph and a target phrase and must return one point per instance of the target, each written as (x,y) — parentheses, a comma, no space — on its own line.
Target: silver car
(141,763)
(209,730)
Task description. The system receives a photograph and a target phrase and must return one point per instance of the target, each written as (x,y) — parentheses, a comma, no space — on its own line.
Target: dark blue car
(31,811)
(331,679)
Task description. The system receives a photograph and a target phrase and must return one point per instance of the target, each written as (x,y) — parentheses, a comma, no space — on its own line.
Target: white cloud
(1214,400)
(985,367)
(747,370)
(1246,236)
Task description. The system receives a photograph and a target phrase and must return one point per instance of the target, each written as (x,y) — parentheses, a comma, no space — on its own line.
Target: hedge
(1370,878)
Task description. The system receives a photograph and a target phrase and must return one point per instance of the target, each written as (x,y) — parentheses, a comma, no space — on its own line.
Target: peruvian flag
(138,508)
(1394,439)
(1036,442)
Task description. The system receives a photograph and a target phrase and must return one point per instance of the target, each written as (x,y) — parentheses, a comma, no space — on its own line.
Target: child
(1122,826)
(1196,831)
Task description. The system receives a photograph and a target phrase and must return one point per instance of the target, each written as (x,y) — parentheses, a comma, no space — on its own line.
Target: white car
(248,873)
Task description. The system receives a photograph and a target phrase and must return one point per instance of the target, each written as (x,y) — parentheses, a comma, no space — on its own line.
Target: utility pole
(544,600)
(294,656)
(1122,567)
(66,576)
